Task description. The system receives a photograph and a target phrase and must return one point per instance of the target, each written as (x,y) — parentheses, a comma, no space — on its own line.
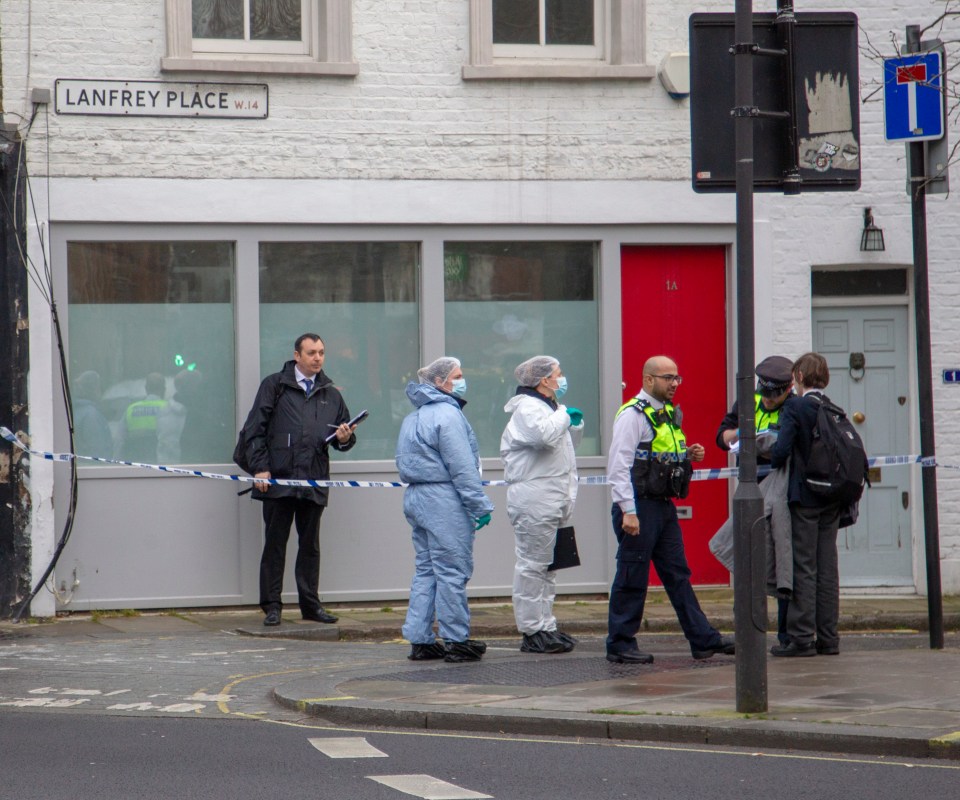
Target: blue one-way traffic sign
(913,97)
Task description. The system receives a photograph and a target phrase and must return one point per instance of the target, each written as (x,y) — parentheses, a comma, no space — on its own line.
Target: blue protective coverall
(438,456)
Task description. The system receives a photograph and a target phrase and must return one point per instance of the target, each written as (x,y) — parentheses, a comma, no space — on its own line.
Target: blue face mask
(561,389)
(459,388)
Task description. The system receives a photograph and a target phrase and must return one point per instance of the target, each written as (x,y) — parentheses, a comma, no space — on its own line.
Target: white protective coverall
(537,449)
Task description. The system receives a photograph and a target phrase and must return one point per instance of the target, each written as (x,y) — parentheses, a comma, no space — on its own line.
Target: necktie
(308,384)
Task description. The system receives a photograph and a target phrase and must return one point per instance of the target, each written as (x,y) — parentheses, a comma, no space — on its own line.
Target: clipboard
(565,553)
(355,421)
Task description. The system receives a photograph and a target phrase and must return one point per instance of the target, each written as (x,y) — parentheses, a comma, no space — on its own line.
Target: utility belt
(661,475)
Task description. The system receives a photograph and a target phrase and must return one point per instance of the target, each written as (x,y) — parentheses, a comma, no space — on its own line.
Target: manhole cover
(551,671)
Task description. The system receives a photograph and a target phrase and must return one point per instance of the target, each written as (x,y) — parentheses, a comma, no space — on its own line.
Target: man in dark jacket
(296,409)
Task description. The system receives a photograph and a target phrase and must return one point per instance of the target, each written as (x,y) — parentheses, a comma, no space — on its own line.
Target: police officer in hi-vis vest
(774,386)
(648,466)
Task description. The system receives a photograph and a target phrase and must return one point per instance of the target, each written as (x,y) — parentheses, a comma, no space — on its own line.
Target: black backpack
(240,451)
(836,468)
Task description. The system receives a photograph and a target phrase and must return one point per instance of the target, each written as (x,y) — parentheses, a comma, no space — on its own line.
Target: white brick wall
(408,115)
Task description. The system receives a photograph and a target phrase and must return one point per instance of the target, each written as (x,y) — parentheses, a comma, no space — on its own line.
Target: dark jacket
(731,422)
(286,432)
(798,418)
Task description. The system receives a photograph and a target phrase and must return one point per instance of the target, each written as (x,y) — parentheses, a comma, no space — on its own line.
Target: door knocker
(858,364)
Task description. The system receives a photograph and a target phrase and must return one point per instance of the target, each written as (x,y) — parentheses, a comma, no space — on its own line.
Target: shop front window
(508,301)
(151,350)
(361,298)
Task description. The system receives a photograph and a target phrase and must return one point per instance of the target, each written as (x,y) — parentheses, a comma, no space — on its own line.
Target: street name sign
(161,99)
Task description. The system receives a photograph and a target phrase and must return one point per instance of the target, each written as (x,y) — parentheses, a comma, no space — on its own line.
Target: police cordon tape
(712,474)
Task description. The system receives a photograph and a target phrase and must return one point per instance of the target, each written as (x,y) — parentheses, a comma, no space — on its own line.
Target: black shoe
(319,616)
(827,649)
(726,646)
(272,618)
(630,657)
(467,650)
(794,650)
(541,642)
(566,639)
(427,652)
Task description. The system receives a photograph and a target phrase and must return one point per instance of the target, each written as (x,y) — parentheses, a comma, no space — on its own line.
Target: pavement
(887,693)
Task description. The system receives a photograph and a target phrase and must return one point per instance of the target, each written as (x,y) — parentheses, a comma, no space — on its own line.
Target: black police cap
(775,370)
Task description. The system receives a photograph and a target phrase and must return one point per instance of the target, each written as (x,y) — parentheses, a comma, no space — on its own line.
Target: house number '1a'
(671,286)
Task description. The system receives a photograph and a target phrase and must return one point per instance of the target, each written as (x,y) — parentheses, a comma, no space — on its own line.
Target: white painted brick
(408,115)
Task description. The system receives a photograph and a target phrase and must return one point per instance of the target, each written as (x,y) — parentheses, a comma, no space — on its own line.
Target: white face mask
(459,387)
(561,389)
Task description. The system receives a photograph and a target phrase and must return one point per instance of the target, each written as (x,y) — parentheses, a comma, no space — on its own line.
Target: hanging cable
(43,281)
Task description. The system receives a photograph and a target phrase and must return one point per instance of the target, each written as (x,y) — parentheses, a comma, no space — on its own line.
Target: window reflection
(361,297)
(568,22)
(268,20)
(151,350)
(508,301)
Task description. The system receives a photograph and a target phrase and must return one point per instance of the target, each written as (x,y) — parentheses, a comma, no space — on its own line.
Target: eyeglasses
(771,390)
(670,378)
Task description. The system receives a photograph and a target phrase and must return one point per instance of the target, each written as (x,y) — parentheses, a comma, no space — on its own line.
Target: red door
(673,303)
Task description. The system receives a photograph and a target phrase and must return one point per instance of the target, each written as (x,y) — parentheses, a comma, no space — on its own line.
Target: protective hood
(421,394)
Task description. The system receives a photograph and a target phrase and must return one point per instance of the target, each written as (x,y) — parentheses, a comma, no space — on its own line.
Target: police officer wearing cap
(774,386)
(648,466)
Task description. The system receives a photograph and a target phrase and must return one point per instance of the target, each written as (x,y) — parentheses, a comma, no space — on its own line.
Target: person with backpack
(827,471)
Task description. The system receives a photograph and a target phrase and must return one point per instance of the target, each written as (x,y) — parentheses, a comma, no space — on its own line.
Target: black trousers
(278,516)
(659,542)
(814,608)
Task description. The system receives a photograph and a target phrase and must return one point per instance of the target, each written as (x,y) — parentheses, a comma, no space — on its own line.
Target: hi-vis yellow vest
(141,417)
(667,434)
(660,468)
(764,417)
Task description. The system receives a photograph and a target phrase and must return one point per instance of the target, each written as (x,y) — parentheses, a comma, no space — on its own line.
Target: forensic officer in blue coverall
(438,457)
(648,465)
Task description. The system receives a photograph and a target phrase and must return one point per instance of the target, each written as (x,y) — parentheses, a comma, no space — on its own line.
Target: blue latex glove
(576,416)
(484,520)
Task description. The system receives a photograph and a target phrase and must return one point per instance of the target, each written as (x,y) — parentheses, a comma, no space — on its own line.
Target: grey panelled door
(877,551)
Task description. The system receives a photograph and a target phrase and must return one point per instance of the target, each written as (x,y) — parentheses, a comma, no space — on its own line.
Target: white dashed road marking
(347,747)
(133,707)
(75,697)
(43,702)
(427,787)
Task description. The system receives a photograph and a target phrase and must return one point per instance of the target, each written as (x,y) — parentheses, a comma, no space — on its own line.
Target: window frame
(622,49)
(260,47)
(550,52)
(328,42)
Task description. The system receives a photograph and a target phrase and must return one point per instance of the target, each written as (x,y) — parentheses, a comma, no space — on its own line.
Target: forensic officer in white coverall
(537,449)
